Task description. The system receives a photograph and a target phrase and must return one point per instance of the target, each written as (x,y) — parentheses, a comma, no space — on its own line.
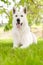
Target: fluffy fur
(22,36)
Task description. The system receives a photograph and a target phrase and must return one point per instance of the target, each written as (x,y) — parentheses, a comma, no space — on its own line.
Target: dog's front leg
(25,45)
(15,42)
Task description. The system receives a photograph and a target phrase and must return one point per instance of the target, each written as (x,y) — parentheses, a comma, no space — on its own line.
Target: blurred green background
(34,15)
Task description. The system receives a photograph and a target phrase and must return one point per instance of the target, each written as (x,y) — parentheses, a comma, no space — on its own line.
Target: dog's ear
(14,10)
(25,10)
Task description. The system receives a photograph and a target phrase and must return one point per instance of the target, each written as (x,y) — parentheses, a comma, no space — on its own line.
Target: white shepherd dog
(22,36)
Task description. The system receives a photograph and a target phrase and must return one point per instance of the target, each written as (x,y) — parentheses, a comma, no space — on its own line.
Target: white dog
(22,36)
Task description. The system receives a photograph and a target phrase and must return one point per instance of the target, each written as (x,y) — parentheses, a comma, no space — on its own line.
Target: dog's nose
(18,21)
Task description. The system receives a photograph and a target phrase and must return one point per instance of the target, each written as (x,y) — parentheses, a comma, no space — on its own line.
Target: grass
(33,55)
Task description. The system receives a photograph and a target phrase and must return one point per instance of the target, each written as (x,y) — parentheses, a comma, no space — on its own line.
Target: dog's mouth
(19,25)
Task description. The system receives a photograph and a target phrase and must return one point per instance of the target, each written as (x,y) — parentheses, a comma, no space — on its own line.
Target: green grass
(33,55)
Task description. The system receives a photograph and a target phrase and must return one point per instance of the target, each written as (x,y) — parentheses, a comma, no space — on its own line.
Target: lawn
(33,55)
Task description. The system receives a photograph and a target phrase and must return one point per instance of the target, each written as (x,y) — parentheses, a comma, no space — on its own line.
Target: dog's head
(19,17)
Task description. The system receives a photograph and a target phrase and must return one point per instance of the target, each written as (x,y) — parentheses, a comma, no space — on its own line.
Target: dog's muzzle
(19,25)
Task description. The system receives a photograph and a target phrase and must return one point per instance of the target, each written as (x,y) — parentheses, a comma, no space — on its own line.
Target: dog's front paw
(15,46)
(23,46)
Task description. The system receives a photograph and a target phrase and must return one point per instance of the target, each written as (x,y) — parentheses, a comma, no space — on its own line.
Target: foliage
(9,25)
(34,8)
(6,2)
(9,15)
(34,11)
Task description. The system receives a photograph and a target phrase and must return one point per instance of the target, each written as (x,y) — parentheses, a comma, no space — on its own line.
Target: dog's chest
(19,35)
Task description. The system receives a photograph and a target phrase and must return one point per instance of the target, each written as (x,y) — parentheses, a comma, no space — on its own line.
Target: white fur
(23,35)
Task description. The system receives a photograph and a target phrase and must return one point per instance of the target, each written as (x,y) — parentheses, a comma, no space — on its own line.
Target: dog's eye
(15,15)
(21,15)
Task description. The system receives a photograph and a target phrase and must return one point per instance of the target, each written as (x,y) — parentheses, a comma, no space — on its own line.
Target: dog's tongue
(18,25)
